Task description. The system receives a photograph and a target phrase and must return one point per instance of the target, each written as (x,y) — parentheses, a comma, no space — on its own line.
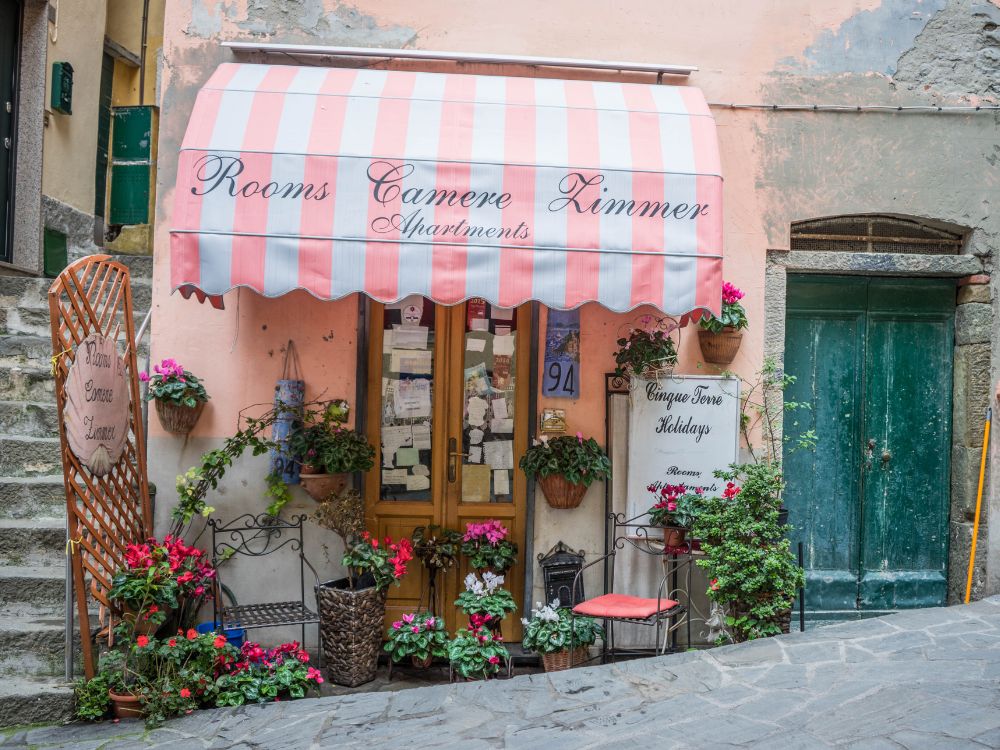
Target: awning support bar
(460,57)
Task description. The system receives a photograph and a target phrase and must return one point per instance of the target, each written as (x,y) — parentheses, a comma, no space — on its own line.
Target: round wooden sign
(97,402)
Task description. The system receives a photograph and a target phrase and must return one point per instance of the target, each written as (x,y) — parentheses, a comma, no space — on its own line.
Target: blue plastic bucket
(235,636)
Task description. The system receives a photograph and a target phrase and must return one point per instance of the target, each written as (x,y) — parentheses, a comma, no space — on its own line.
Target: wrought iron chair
(667,611)
(257,536)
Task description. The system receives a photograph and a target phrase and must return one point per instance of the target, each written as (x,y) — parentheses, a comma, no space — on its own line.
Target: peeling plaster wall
(779,167)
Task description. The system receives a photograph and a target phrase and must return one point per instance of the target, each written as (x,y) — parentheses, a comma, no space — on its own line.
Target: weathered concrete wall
(779,167)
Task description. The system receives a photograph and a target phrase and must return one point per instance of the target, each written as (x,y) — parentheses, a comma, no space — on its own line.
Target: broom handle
(979,503)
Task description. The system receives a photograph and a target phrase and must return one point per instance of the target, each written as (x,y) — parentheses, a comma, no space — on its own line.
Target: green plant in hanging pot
(675,510)
(180,396)
(720,337)
(565,467)
(329,452)
(561,639)
(421,638)
(647,350)
(437,549)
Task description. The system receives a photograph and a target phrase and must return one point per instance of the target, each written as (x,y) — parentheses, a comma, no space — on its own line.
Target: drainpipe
(142,53)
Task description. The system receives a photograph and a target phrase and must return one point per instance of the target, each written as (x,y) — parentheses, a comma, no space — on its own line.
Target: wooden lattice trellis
(104,514)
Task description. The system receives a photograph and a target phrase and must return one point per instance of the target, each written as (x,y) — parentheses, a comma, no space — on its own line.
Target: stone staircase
(32,504)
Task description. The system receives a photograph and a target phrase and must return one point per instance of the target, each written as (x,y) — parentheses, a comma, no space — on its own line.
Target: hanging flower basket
(177,418)
(560,660)
(674,536)
(720,348)
(350,631)
(560,492)
(321,486)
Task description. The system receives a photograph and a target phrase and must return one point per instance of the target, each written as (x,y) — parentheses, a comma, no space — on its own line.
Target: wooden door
(471,355)
(10,28)
(873,358)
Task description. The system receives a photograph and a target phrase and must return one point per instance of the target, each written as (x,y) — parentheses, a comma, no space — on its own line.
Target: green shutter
(54,244)
(131,165)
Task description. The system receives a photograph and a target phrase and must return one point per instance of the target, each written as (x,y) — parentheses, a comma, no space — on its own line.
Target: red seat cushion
(623,606)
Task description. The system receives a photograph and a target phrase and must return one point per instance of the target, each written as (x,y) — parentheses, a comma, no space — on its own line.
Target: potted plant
(484,601)
(565,467)
(437,549)
(720,338)
(352,609)
(648,350)
(477,653)
(487,547)
(262,675)
(329,452)
(747,555)
(180,396)
(675,510)
(419,637)
(561,639)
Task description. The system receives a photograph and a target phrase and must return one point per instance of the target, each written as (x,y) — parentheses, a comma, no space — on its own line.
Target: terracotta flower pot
(177,418)
(320,486)
(673,536)
(309,469)
(421,663)
(720,348)
(125,706)
(142,625)
(560,492)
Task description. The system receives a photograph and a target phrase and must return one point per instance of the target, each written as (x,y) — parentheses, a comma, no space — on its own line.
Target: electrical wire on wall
(858,108)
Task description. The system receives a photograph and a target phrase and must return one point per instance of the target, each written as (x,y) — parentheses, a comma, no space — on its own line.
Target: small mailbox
(559,568)
(62,88)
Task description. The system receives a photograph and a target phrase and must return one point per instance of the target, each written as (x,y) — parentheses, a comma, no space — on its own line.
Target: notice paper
(409,337)
(499,454)
(413,398)
(410,361)
(502,426)
(476,436)
(392,438)
(502,330)
(421,471)
(422,437)
(475,345)
(414,482)
(499,408)
(504,345)
(407,457)
(476,454)
(479,324)
(502,313)
(475,484)
(501,482)
(477,411)
(394,476)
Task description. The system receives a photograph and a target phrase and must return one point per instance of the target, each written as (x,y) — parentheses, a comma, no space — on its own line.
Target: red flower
(185,693)
(714,585)
(494,659)
(192,634)
(172,642)
(143,641)
(153,608)
(220,641)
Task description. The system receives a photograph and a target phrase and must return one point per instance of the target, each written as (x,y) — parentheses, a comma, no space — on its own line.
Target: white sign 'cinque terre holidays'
(681,429)
(97,401)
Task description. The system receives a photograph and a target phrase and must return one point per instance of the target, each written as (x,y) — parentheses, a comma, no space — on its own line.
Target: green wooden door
(10,26)
(873,358)
(103,135)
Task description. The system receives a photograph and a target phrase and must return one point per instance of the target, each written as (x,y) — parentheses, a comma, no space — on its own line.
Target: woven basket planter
(350,625)
(560,492)
(177,418)
(560,660)
(720,348)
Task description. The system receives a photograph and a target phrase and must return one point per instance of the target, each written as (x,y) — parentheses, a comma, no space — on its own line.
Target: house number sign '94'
(97,404)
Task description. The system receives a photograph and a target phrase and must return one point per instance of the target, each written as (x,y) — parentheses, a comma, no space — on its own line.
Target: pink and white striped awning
(394,183)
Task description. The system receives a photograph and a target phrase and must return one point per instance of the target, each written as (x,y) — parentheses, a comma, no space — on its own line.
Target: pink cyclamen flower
(144,376)
(415,628)
(397,625)
(579,436)
(494,660)
(408,619)
(430,622)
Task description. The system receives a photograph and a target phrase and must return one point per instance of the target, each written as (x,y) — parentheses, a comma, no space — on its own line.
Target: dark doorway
(103,134)
(873,357)
(10,51)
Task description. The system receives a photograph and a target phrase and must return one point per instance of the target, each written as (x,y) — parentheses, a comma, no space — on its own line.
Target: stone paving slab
(921,679)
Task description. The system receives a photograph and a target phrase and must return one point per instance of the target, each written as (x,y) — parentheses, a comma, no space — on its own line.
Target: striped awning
(450,186)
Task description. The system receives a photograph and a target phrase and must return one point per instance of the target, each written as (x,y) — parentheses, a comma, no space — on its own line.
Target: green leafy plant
(747,555)
(552,629)
(319,439)
(476,653)
(260,675)
(486,545)
(436,547)
(579,460)
(171,383)
(386,563)
(92,699)
(421,636)
(485,597)
(674,505)
(647,348)
(734,315)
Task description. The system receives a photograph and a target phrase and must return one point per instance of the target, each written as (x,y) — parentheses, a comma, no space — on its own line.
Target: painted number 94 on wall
(562,355)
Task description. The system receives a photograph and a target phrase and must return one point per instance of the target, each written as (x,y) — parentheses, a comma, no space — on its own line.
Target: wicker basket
(560,492)
(560,660)
(177,418)
(350,625)
(720,348)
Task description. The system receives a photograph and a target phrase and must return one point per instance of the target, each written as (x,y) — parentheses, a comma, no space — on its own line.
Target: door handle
(453,455)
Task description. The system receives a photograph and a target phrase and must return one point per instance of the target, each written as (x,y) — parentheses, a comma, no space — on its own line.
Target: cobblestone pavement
(923,679)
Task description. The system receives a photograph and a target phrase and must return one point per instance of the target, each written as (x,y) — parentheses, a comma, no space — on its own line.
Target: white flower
(524,621)
(493,582)
(473,584)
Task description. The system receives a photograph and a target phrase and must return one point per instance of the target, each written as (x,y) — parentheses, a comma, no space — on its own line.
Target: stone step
(34,700)
(29,456)
(33,645)
(27,382)
(34,542)
(32,497)
(17,349)
(30,591)
(29,418)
